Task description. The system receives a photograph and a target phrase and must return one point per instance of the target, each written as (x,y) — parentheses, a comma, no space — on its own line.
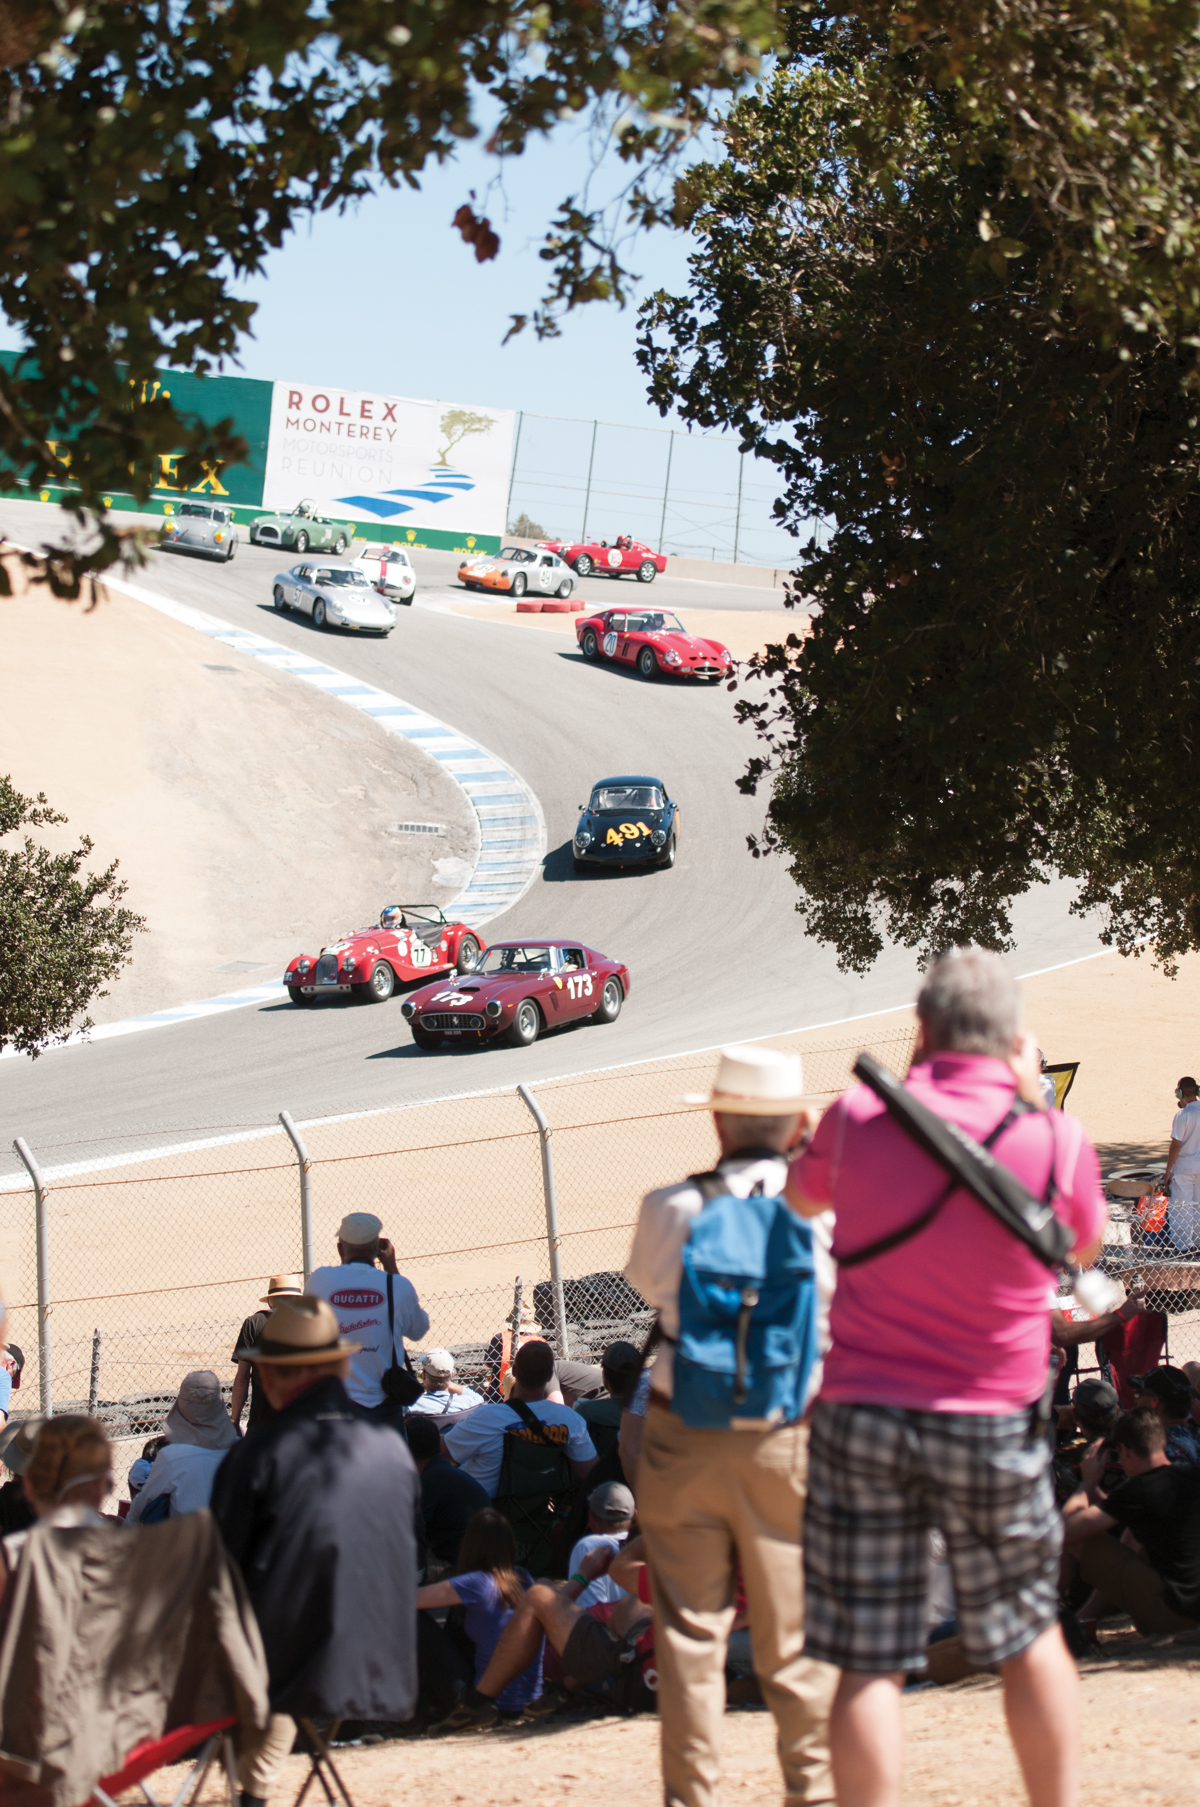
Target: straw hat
(198,1415)
(300,1333)
(754,1082)
(17,1440)
(282,1286)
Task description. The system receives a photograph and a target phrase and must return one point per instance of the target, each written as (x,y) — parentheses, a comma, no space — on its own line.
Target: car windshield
(517,555)
(654,621)
(627,796)
(196,510)
(341,575)
(515,960)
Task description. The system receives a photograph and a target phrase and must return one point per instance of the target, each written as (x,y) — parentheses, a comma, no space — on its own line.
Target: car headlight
(408,1010)
(672,657)
(493,1008)
(657,838)
(302,966)
(583,838)
(218,536)
(335,609)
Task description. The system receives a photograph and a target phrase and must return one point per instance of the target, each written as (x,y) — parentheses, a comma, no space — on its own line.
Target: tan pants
(707,1501)
(259,1764)
(1127,1579)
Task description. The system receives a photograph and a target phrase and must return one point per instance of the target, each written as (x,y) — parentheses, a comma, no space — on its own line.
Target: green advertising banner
(210,398)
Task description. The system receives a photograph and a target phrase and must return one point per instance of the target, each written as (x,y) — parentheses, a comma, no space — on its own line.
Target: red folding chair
(157,1753)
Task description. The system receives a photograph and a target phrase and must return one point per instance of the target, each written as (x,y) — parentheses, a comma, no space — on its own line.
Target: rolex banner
(407,470)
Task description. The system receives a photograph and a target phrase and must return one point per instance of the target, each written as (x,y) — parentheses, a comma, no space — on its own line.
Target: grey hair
(970,1003)
(758,1132)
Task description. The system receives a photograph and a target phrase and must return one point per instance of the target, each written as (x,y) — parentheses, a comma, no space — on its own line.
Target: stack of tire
(570,606)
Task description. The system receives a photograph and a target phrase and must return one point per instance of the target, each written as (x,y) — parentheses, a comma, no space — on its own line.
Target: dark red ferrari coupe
(518,989)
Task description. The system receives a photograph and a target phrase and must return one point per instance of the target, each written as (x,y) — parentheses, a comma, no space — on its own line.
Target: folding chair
(318,1751)
(157,1753)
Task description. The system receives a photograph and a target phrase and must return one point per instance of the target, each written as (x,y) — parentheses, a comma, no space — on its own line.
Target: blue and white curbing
(512,828)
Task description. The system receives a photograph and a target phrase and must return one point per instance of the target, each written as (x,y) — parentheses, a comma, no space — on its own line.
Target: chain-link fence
(148,1263)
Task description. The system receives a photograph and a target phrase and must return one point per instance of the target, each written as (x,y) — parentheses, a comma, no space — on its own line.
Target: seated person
(1153,1572)
(450,1498)
(200,1432)
(1092,1414)
(620,1365)
(476,1443)
(491,1587)
(392,917)
(609,1521)
(1168,1391)
(442,1392)
(609,1648)
(66,1478)
(16,1447)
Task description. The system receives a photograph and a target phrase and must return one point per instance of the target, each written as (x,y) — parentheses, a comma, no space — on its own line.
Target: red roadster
(518,989)
(624,556)
(412,941)
(654,640)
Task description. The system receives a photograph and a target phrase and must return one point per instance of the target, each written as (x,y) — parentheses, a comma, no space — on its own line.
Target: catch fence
(130,1267)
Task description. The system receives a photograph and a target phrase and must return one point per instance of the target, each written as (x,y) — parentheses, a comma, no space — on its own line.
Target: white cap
(438,1361)
(360,1228)
(754,1082)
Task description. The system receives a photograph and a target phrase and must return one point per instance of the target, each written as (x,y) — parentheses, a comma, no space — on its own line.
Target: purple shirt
(957,1319)
(486,1616)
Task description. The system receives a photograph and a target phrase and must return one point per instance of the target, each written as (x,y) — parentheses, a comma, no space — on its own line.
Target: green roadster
(303,528)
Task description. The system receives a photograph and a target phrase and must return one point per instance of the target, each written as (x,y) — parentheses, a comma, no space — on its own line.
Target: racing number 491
(581,987)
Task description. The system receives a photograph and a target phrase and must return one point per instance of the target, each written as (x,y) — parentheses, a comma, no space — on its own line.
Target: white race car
(387,569)
(516,570)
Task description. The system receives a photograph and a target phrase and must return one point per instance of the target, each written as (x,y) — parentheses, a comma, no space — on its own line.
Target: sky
(388,297)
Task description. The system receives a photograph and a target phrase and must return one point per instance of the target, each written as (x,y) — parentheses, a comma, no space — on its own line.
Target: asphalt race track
(715,949)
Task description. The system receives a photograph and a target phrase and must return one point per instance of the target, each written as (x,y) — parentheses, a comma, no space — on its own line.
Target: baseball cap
(1095,1402)
(611,1500)
(1170,1386)
(438,1361)
(620,1357)
(17,1440)
(359,1228)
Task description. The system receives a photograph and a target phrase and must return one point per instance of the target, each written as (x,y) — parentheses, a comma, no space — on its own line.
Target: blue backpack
(747,1311)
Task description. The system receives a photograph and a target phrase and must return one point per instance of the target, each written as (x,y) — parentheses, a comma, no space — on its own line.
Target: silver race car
(335,596)
(202,527)
(516,570)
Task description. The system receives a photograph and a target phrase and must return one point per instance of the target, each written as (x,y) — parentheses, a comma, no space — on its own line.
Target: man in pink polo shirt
(928,1413)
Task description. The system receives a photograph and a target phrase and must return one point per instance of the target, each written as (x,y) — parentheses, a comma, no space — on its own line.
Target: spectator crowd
(854,1434)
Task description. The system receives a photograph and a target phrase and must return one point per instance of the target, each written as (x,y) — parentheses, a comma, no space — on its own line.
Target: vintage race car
(411,942)
(335,596)
(519,988)
(387,569)
(516,570)
(202,527)
(624,557)
(654,640)
(627,822)
(303,528)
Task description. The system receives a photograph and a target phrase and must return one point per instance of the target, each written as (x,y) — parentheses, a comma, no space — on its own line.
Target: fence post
(43,1274)
(552,1236)
(94,1383)
(306,1218)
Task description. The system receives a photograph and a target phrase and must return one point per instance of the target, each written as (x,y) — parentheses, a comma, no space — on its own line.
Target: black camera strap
(970,1165)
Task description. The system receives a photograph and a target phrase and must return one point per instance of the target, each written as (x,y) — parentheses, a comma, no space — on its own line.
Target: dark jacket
(450,1499)
(317,1508)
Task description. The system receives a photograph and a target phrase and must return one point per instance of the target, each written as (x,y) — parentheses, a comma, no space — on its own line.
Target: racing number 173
(581,987)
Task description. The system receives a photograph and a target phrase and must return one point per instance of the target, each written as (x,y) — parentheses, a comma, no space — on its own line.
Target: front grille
(451,1019)
(269,533)
(707,671)
(327,967)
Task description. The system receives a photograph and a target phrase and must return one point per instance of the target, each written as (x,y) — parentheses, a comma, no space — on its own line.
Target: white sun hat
(754,1082)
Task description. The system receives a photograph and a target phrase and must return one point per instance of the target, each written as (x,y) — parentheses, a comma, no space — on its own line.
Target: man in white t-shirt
(358,1293)
(610,1516)
(477,1444)
(1182,1177)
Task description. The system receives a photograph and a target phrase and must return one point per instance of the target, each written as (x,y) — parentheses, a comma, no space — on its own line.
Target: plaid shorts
(878,1479)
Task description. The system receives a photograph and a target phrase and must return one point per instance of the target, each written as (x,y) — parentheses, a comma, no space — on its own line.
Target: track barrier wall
(150,1262)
